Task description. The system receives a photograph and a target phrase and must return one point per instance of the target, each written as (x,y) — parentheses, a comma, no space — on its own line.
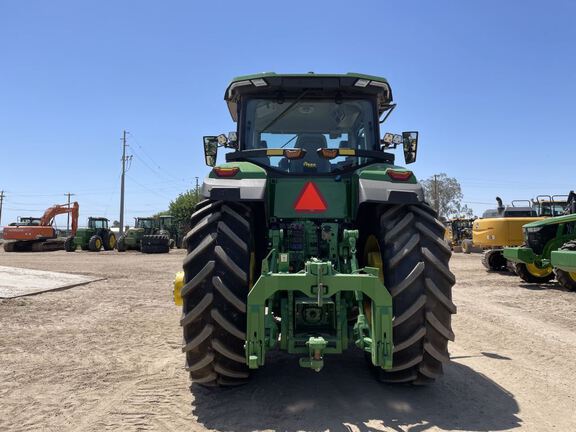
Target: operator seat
(312,162)
(265,160)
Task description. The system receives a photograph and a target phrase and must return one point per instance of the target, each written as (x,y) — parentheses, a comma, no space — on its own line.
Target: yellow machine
(502,227)
(458,234)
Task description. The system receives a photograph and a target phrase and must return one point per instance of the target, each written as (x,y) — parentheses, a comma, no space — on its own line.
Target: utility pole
(196,190)
(124,158)
(1,202)
(68,214)
(436,203)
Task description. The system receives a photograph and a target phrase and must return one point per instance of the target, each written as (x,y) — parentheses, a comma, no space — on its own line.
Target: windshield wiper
(289,141)
(283,113)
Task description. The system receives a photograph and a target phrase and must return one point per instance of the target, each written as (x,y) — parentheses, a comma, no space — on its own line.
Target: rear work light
(294,153)
(399,175)
(226,172)
(328,153)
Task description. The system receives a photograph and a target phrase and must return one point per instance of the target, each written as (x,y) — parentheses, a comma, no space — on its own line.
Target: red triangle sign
(310,200)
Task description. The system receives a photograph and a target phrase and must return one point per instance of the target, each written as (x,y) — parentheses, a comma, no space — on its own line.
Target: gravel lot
(106,356)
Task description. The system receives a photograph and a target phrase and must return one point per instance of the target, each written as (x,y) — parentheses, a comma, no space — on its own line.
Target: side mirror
(410,143)
(210,150)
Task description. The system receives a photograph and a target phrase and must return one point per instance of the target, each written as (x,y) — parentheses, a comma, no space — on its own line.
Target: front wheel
(95,243)
(409,248)
(564,278)
(532,274)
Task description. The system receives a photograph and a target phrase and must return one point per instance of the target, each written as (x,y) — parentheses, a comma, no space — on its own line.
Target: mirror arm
(388,112)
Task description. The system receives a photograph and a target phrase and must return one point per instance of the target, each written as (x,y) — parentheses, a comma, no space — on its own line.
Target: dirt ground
(106,356)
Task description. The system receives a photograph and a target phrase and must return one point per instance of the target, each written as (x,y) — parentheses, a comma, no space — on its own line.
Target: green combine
(94,237)
(311,240)
(537,261)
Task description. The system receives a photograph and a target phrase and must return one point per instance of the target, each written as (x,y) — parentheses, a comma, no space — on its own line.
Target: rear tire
(121,244)
(217,274)
(415,259)
(69,245)
(109,241)
(155,244)
(526,275)
(95,244)
(567,279)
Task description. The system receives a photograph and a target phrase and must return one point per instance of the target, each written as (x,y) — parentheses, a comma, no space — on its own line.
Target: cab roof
(271,83)
(552,221)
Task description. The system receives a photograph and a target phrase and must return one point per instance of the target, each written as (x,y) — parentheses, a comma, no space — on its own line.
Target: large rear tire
(121,244)
(415,270)
(217,277)
(564,278)
(157,243)
(69,244)
(109,241)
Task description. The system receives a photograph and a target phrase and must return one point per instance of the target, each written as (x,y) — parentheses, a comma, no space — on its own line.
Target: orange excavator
(42,237)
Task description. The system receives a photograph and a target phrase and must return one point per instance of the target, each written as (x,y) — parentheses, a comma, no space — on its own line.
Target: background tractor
(533,261)
(564,262)
(311,240)
(168,226)
(145,237)
(94,237)
(502,227)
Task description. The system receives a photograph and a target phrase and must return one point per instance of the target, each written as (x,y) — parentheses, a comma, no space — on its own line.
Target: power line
(147,188)
(159,168)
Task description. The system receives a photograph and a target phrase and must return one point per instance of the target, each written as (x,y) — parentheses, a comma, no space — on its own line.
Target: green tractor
(169,227)
(94,237)
(145,236)
(311,240)
(533,262)
(564,261)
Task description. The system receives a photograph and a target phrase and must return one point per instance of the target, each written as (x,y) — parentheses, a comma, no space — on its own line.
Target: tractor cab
(148,224)
(97,223)
(166,222)
(309,124)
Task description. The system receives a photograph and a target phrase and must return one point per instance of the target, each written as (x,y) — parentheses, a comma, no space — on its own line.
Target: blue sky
(490,86)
